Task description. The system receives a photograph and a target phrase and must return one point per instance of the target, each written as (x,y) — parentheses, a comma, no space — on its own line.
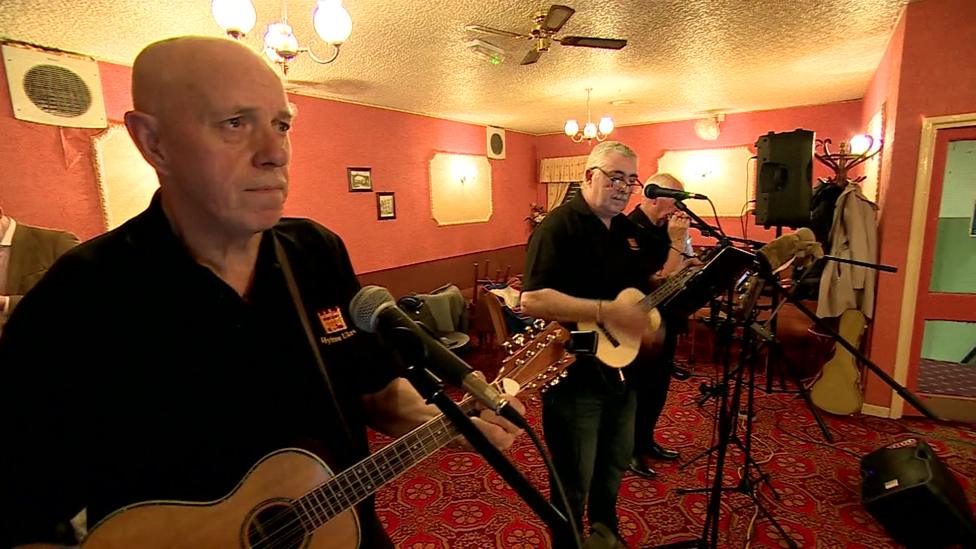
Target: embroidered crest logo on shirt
(633,244)
(332,320)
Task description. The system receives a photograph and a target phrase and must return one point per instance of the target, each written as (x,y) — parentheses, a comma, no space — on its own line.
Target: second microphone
(373,310)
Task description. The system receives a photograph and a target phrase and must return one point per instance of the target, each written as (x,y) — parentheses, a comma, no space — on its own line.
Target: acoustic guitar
(291,498)
(837,389)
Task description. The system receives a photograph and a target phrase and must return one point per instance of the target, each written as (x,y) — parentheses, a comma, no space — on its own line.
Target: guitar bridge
(613,341)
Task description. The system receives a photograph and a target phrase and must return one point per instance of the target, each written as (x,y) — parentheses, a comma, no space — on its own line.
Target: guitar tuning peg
(539,324)
(519,340)
(519,363)
(508,348)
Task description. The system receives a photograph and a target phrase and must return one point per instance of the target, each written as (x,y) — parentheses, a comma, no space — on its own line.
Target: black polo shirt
(131,373)
(573,252)
(654,239)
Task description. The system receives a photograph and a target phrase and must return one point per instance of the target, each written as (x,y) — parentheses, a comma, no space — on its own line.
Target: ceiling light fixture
(590,131)
(331,20)
(707,128)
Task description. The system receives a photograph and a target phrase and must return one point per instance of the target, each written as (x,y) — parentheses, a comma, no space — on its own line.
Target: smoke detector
(490,52)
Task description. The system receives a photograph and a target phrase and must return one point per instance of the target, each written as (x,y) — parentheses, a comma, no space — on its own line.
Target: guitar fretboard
(668,288)
(359,481)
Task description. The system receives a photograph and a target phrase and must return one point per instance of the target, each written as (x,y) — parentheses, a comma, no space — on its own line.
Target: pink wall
(49,178)
(836,121)
(934,76)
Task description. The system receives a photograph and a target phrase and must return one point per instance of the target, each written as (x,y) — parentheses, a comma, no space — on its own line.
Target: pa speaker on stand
(784,179)
(915,497)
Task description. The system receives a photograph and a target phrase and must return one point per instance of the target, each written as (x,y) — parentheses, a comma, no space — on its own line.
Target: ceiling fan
(546,25)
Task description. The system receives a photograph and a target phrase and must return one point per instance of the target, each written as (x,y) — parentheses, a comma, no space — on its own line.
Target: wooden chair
(490,309)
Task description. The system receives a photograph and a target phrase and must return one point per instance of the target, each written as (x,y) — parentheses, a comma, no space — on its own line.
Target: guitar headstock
(537,358)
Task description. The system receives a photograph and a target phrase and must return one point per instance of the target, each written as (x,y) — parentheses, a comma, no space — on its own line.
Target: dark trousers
(651,381)
(588,423)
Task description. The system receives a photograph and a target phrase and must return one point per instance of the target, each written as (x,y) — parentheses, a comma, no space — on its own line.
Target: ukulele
(680,295)
(290,498)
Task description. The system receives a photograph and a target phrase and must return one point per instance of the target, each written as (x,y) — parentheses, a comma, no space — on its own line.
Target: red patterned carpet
(455,500)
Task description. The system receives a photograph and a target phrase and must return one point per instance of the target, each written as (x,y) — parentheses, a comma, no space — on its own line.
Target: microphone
(373,310)
(652,190)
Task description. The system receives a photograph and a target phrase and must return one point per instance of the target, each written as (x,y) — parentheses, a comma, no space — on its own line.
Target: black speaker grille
(497,145)
(57,91)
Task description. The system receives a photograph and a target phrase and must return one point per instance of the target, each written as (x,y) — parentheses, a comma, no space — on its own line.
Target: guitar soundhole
(276,524)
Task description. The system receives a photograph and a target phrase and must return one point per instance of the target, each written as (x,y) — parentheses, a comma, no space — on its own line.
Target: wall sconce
(699,166)
(860,149)
(464,171)
(331,20)
(707,128)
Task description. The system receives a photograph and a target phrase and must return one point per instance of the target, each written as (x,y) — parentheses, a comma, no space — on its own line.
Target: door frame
(916,241)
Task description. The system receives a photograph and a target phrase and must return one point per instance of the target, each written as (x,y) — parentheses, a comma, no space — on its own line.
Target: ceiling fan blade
(557,17)
(591,42)
(531,57)
(498,32)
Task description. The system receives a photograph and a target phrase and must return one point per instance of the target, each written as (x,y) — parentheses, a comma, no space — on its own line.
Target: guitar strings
(430,436)
(284,527)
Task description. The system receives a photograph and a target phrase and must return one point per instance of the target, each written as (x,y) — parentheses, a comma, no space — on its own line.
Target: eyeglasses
(621,182)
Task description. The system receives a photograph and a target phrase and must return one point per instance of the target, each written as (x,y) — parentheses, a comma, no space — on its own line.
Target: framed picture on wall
(360,180)
(385,206)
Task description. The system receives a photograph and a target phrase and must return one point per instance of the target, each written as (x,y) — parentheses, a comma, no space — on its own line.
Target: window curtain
(557,174)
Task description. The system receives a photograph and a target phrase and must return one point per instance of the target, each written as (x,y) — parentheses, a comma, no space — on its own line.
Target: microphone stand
(825,328)
(708,230)
(432,389)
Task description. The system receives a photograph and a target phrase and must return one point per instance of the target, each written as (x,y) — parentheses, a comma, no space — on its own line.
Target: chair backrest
(447,308)
(493,305)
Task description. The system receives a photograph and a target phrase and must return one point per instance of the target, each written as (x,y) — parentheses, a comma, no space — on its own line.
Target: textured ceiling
(683,58)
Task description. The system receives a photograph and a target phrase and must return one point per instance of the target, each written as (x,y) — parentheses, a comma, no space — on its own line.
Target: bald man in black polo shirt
(579,258)
(664,239)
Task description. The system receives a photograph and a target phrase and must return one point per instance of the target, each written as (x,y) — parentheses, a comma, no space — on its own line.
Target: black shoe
(680,373)
(640,467)
(660,452)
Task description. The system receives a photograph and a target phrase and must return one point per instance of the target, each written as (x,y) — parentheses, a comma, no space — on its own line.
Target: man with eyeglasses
(665,240)
(579,258)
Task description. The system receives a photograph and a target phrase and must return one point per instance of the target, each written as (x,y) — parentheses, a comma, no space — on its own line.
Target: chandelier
(331,20)
(590,131)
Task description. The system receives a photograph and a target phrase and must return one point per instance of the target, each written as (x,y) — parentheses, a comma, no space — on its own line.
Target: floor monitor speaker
(915,497)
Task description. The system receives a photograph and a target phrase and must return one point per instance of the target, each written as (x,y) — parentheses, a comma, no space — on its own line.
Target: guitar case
(837,390)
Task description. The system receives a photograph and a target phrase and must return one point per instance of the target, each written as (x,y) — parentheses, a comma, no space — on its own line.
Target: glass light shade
(859,144)
(571,127)
(280,44)
(589,130)
(606,125)
(234,15)
(707,129)
(332,21)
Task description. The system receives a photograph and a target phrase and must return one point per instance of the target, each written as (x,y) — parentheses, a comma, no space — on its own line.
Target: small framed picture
(385,206)
(360,180)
